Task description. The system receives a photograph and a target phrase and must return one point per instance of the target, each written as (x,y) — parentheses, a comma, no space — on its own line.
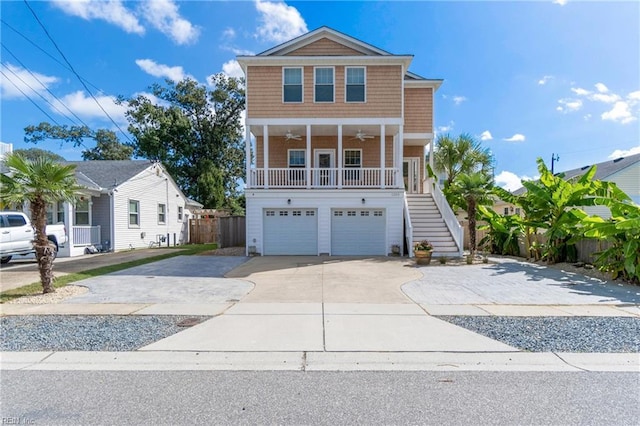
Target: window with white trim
(162,214)
(81,213)
(352,159)
(310,213)
(324,89)
(180,212)
(355,82)
(292,85)
(134,213)
(297,158)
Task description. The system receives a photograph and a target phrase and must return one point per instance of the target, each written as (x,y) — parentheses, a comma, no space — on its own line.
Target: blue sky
(528,78)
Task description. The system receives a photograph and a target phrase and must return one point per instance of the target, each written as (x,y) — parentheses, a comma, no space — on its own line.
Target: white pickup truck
(17,235)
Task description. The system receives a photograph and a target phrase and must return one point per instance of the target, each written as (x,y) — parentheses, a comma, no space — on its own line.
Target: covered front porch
(325,155)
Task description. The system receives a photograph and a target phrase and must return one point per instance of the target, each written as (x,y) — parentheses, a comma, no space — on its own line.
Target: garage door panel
(290,232)
(358,232)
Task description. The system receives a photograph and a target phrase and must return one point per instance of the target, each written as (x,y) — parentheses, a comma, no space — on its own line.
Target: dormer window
(355,82)
(292,85)
(324,85)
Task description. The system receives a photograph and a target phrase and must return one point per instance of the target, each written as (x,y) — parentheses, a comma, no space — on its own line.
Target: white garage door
(358,232)
(290,232)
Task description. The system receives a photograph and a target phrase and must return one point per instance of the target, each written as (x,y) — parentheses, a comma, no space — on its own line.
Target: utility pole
(554,158)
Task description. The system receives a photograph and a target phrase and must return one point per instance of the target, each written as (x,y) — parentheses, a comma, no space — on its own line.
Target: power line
(27,96)
(74,71)
(45,87)
(45,52)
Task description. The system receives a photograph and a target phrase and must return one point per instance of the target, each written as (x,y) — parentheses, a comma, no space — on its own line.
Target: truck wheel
(54,246)
(5,259)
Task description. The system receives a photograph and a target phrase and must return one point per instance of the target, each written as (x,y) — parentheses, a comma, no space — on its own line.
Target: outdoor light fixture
(289,201)
(363,200)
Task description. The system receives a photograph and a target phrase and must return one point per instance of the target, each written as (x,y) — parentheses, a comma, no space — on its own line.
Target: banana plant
(503,231)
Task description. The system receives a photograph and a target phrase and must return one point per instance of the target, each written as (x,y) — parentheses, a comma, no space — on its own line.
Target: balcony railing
(361,177)
(85,235)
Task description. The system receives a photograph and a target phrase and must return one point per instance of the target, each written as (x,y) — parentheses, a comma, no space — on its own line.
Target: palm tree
(463,154)
(39,181)
(469,191)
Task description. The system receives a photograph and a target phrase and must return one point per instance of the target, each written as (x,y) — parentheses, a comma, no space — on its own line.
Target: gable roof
(107,174)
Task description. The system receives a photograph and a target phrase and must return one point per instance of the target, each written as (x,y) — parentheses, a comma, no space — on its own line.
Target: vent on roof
(618,159)
(585,167)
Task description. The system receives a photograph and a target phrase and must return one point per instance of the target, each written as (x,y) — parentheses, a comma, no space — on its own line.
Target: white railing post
(383,143)
(265,154)
(447,214)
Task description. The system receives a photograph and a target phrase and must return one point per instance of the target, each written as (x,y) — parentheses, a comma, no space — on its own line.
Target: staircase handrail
(449,217)
(408,226)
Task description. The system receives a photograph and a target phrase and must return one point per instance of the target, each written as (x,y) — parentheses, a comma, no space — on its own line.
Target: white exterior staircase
(428,224)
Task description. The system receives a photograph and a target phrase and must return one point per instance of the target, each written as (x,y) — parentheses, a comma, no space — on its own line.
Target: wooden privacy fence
(226,231)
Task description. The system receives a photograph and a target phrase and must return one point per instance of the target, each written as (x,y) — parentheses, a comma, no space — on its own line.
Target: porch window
(297,158)
(81,216)
(324,85)
(180,211)
(292,85)
(355,81)
(55,212)
(352,160)
(134,213)
(162,214)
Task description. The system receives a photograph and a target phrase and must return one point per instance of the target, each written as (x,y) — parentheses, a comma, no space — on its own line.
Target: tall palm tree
(39,181)
(471,190)
(463,154)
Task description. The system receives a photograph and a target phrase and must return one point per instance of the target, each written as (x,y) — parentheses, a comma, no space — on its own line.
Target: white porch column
(308,159)
(265,155)
(247,154)
(383,144)
(399,158)
(431,154)
(339,165)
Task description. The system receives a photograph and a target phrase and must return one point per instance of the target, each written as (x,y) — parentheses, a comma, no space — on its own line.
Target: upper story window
(297,157)
(162,214)
(352,158)
(180,212)
(292,85)
(134,213)
(355,82)
(324,85)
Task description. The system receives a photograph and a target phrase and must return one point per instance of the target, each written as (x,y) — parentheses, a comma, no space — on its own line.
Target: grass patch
(36,288)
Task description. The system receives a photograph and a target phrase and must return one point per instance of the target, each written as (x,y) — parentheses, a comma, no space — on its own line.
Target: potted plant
(422,250)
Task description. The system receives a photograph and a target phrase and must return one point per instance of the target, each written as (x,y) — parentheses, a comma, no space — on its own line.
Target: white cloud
(587,117)
(609,99)
(560,2)
(544,80)
(233,69)
(625,152)
(229,33)
(569,105)
(620,113)
(580,92)
(634,96)
(515,138)
(160,70)
(85,107)
(447,128)
(459,99)
(25,82)
(486,136)
(165,17)
(111,11)
(601,88)
(510,181)
(279,22)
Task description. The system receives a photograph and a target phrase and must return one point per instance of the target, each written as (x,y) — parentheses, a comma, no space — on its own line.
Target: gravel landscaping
(86,333)
(557,334)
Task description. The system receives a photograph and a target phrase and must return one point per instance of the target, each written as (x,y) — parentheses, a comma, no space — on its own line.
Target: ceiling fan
(290,136)
(361,136)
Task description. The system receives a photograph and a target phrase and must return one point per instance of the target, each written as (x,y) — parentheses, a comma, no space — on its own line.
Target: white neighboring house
(123,205)
(5,148)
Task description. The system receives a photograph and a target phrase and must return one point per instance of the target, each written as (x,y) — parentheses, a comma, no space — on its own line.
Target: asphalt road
(190,397)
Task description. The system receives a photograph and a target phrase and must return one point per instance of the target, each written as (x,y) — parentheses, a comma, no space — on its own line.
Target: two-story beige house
(336,136)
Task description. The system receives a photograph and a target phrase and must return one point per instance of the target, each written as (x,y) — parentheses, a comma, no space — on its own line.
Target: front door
(325,163)
(411,175)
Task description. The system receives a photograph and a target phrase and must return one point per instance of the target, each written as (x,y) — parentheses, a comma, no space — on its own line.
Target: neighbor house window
(297,157)
(324,85)
(352,160)
(162,213)
(355,81)
(134,213)
(292,85)
(82,212)
(506,210)
(50,212)
(180,211)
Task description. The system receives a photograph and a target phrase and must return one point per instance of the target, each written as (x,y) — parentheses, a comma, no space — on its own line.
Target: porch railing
(361,177)
(85,235)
